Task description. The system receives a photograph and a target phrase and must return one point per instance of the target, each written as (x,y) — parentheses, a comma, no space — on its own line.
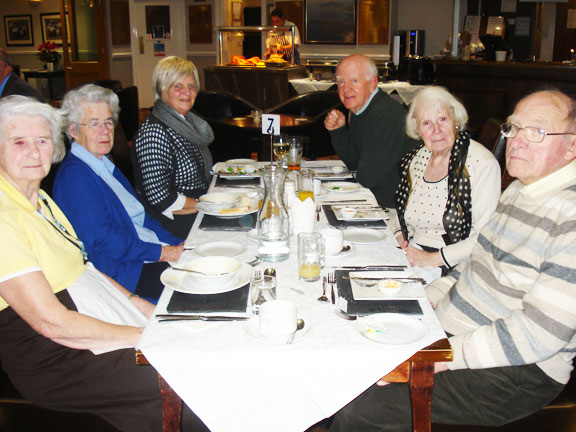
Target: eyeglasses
(532,134)
(97,125)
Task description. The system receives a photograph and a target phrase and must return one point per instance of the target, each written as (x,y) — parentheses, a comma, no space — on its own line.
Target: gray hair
(364,60)
(11,106)
(439,98)
(168,71)
(76,100)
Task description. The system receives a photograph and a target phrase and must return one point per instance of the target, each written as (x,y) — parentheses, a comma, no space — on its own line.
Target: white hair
(16,105)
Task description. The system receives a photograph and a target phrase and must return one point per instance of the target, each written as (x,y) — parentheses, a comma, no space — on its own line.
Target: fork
(332,282)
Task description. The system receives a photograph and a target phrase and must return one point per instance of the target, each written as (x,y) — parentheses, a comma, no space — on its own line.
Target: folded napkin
(233,302)
(302,216)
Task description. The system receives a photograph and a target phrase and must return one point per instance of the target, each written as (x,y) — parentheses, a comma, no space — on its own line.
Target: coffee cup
(278,321)
(501,56)
(334,240)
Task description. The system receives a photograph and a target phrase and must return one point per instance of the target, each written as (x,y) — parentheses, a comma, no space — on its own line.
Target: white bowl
(213,202)
(347,212)
(250,169)
(216,270)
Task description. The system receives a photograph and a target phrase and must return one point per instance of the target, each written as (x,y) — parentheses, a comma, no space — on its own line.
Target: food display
(274,60)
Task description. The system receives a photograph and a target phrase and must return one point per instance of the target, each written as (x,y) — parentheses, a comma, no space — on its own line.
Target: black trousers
(109,385)
(488,397)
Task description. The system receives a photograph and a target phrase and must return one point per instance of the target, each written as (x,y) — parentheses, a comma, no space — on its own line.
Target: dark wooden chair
(490,133)
(129,107)
(317,142)
(229,141)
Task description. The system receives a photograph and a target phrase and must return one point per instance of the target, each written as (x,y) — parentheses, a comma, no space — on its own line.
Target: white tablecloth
(234,383)
(402,91)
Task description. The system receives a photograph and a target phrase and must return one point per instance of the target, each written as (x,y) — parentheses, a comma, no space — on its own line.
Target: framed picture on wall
(18,29)
(331,22)
(51,28)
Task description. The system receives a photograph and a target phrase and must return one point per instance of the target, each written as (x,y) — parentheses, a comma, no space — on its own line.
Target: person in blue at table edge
(510,310)
(121,239)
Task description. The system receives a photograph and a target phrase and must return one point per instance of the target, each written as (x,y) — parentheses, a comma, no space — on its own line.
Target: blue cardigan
(102,223)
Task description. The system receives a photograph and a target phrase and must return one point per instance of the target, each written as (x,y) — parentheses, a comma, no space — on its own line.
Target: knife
(176,317)
(399,279)
(376,267)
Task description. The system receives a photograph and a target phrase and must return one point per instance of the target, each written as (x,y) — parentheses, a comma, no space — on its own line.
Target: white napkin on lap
(302,214)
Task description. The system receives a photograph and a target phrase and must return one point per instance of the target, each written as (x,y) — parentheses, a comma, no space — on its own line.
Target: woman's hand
(189,207)
(334,120)
(401,242)
(171,253)
(419,258)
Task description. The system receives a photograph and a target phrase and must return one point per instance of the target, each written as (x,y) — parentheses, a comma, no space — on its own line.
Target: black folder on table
(367,307)
(242,223)
(231,301)
(223,181)
(335,222)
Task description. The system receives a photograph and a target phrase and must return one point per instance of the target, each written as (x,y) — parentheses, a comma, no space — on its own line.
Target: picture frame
(330,22)
(51,28)
(18,30)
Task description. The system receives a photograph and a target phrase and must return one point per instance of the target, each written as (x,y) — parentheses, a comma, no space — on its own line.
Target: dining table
(402,91)
(233,380)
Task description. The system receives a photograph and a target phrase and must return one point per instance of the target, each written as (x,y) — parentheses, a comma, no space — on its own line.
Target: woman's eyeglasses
(97,125)
(532,134)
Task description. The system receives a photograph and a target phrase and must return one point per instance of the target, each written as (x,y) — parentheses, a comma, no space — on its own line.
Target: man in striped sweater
(510,311)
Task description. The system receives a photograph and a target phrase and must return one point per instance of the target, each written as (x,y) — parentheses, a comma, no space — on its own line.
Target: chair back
(129,108)
(499,152)
(214,105)
(111,84)
(490,133)
(311,104)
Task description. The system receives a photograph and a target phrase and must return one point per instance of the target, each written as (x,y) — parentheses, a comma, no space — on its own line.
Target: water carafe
(273,223)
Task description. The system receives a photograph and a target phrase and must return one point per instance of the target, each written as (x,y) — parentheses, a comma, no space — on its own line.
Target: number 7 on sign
(270,124)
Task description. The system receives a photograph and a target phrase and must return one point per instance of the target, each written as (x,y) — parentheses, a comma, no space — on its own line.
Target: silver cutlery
(345,202)
(332,282)
(194,271)
(318,209)
(323,297)
(176,317)
(399,279)
(375,267)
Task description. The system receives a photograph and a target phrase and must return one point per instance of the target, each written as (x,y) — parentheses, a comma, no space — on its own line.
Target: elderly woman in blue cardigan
(121,239)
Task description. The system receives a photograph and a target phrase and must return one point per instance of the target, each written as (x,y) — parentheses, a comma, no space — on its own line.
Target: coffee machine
(407,43)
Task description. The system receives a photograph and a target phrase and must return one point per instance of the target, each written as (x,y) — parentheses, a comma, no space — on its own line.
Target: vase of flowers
(48,55)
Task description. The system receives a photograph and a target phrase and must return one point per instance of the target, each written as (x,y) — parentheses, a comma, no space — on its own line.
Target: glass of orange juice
(310,256)
(306,185)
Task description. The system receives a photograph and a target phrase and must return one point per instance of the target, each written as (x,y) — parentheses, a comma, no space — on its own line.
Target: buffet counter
(262,86)
(491,89)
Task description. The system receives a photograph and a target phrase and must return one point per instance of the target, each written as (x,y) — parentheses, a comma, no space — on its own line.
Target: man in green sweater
(375,140)
(510,311)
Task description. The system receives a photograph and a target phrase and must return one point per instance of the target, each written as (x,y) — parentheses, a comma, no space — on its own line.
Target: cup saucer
(252,330)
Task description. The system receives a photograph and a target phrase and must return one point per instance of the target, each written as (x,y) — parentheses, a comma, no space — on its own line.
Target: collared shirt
(104,168)
(361,110)
(4,83)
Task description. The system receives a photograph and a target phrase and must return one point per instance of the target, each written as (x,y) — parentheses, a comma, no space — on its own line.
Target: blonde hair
(439,98)
(168,71)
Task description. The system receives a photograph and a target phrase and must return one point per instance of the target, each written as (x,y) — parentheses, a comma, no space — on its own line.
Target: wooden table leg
(171,407)
(421,384)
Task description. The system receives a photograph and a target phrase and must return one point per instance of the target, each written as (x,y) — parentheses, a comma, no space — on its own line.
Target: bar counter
(491,89)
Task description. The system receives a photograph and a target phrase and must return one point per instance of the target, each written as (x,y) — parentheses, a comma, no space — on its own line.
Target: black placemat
(243,223)
(333,220)
(367,307)
(223,181)
(231,301)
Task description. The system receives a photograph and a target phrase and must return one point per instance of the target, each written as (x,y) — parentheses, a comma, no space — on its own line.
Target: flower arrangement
(47,53)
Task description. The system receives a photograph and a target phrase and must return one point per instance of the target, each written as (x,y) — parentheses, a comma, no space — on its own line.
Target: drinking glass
(306,185)
(280,146)
(310,256)
(294,153)
(262,290)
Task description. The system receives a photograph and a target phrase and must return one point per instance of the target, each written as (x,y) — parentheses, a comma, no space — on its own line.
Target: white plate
(240,162)
(178,281)
(344,254)
(221,248)
(341,187)
(392,329)
(253,331)
(364,235)
(361,214)
(202,209)
(237,176)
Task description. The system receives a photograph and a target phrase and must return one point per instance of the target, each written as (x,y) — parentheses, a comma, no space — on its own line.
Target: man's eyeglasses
(97,125)
(532,134)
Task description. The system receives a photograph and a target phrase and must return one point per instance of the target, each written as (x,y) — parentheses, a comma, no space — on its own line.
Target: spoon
(323,297)
(344,249)
(197,272)
(300,324)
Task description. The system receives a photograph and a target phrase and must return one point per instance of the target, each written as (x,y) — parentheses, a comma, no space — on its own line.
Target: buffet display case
(264,83)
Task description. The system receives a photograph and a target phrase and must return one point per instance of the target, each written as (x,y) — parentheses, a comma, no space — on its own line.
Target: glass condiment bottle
(273,222)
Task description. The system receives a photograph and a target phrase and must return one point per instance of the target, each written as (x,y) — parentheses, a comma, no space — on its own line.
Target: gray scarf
(195,129)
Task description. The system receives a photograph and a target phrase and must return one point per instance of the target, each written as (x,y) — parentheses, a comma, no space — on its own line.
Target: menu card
(242,223)
(235,301)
